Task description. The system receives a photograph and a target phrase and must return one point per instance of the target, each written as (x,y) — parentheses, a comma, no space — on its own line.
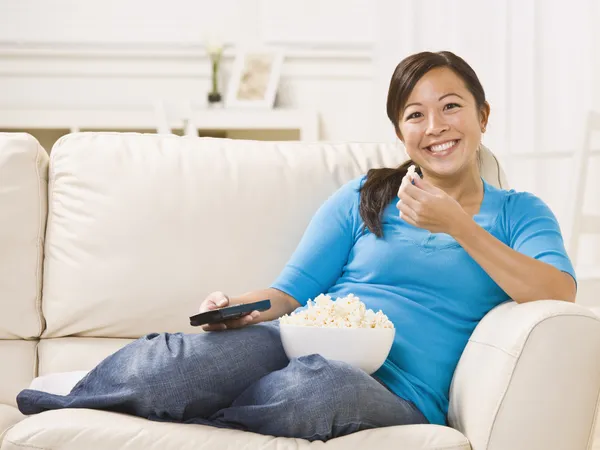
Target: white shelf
(305,121)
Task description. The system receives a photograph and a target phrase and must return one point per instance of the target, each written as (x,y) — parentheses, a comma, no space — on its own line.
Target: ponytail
(380,188)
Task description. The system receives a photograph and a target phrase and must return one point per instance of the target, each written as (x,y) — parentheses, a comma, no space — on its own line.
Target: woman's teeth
(442,147)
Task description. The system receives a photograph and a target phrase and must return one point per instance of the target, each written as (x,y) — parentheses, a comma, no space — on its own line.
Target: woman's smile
(443,149)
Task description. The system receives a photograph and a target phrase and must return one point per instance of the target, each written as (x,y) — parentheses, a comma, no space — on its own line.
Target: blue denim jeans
(238,379)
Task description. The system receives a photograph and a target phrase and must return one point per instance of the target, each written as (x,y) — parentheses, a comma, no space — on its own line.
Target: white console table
(305,122)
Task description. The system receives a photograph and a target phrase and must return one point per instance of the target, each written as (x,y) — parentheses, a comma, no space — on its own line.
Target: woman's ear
(484,115)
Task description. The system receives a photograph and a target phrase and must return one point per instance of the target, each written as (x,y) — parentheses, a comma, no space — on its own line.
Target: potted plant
(214,49)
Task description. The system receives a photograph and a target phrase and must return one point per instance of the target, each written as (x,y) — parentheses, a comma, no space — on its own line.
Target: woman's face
(441,125)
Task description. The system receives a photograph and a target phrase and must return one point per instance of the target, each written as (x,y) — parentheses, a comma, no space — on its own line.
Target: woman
(435,251)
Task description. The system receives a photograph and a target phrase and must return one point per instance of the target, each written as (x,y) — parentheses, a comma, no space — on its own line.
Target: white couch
(125,234)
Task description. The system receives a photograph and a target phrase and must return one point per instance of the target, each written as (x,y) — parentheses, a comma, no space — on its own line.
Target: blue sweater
(426,283)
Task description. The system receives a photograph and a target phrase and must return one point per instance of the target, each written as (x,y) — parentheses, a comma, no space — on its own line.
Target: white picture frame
(254,78)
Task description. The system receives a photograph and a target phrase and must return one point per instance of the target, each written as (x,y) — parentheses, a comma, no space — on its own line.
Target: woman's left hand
(426,206)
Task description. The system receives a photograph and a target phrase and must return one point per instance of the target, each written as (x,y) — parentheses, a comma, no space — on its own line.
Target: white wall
(64,53)
(539,62)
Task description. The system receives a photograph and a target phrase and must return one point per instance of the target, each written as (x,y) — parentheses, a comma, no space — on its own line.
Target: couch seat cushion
(9,415)
(71,429)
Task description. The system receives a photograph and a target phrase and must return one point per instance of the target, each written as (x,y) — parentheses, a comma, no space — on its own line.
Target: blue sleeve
(323,251)
(534,231)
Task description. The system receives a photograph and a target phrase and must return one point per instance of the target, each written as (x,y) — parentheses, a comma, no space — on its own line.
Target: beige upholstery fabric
(142,227)
(74,354)
(94,430)
(17,368)
(525,369)
(9,415)
(23,188)
(596,434)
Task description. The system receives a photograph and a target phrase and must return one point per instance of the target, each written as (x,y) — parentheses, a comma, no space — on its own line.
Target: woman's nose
(436,125)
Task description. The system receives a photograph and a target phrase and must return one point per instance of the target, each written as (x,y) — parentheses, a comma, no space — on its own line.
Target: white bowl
(363,348)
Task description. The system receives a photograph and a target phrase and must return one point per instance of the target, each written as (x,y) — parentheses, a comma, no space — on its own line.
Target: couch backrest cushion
(19,365)
(23,207)
(142,227)
(70,354)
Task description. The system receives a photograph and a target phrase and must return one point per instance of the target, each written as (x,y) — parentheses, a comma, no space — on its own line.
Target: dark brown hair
(382,185)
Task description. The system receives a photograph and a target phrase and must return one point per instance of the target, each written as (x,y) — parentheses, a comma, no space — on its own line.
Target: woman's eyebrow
(413,104)
(439,99)
(449,94)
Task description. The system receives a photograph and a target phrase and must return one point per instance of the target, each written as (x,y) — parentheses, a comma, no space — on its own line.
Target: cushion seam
(594,423)
(528,332)
(3,433)
(39,245)
(36,359)
(494,347)
(27,445)
(49,198)
(465,446)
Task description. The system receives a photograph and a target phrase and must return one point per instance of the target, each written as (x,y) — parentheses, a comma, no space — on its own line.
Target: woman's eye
(452,106)
(414,115)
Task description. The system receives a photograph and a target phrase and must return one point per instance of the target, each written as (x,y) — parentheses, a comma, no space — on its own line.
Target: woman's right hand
(217,300)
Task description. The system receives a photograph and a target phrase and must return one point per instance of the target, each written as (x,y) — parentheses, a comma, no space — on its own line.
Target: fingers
(403,186)
(214,300)
(408,198)
(411,197)
(408,219)
(408,179)
(406,212)
(412,178)
(411,194)
(411,174)
(415,192)
(214,327)
(425,185)
(244,321)
(219,299)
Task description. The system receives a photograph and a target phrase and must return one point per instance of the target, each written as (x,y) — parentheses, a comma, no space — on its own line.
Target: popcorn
(411,173)
(345,312)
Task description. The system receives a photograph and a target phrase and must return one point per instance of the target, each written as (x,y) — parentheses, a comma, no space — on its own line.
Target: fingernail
(222,302)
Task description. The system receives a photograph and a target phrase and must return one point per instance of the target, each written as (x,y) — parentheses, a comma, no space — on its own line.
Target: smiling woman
(437,106)
(435,263)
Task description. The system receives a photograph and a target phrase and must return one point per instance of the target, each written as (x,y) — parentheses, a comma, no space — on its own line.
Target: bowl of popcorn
(342,329)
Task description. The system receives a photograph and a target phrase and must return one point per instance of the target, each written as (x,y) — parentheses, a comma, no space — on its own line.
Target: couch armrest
(9,415)
(529,378)
(23,212)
